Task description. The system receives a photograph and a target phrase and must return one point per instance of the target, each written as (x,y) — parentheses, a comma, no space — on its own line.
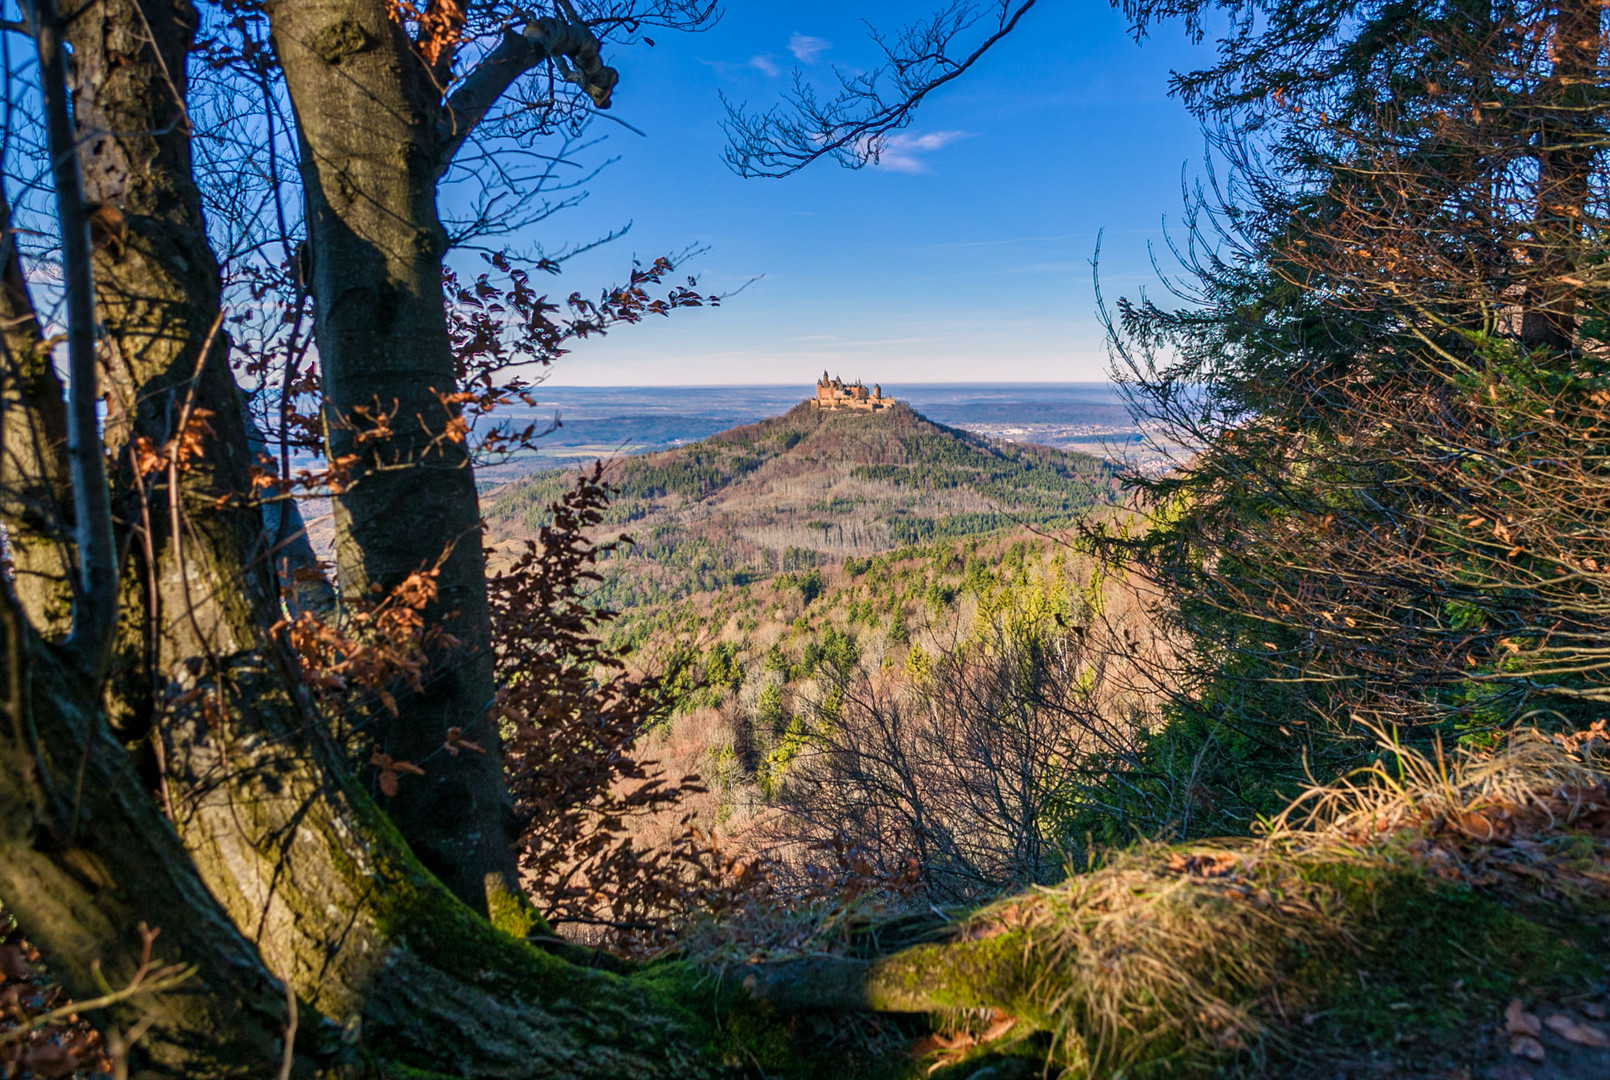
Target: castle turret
(834,393)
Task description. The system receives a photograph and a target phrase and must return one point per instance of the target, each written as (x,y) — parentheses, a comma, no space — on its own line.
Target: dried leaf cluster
(48,1051)
(571,716)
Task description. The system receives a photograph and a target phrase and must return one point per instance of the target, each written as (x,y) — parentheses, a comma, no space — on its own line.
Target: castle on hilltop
(835,394)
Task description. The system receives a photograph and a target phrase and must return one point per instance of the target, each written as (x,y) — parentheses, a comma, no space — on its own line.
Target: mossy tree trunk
(367,106)
(86,859)
(378,134)
(277,828)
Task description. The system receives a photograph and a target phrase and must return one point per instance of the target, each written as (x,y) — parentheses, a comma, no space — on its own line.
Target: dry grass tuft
(1533,783)
(1186,954)
(1166,952)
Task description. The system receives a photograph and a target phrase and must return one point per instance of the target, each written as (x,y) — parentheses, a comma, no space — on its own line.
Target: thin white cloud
(765,64)
(902,152)
(806,48)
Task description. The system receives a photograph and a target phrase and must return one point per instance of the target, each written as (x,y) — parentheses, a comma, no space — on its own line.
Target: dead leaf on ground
(1000,1027)
(1517,1021)
(1527,1047)
(1510,1070)
(1573,1032)
(12,963)
(1486,826)
(949,1048)
(1205,864)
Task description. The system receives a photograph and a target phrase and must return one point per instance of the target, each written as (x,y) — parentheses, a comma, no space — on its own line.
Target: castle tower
(834,393)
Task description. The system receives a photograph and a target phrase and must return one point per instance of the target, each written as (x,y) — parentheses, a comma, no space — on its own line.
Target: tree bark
(368,108)
(35,498)
(200,589)
(1567,146)
(295,853)
(86,859)
(94,593)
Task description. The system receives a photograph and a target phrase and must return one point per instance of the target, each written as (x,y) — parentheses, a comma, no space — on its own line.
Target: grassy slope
(1387,939)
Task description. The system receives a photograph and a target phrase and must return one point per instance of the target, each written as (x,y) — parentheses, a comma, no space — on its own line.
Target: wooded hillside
(806,488)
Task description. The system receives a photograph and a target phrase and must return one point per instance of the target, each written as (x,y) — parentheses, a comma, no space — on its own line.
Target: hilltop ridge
(796,490)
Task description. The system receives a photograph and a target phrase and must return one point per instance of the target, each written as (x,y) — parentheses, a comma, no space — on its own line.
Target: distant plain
(605,422)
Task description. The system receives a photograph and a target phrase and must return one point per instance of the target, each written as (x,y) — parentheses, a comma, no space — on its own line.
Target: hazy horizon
(808,383)
(605,421)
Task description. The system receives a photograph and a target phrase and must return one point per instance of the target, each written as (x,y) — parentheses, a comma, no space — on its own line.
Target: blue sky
(966,257)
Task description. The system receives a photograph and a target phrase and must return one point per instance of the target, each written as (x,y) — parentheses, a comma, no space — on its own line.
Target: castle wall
(833,394)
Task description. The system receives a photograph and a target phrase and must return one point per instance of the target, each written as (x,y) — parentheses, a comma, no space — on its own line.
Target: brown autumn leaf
(48,1060)
(1573,1032)
(389,768)
(146,458)
(949,1048)
(456,742)
(941,1041)
(107,228)
(1206,864)
(1517,1021)
(191,443)
(1527,1047)
(1485,826)
(1003,1023)
(13,963)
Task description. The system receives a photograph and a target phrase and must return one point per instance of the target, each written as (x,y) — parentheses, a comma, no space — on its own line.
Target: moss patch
(1435,963)
(512,913)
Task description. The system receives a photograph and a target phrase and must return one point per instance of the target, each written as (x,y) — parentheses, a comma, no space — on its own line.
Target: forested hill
(806,487)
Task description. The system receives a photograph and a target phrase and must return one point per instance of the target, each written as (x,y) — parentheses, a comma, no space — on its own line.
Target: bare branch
(853,127)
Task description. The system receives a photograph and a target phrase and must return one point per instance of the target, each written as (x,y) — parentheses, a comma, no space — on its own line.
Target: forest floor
(1431,919)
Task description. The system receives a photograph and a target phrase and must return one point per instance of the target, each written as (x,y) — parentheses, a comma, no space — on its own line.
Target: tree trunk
(86,859)
(286,842)
(367,109)
(184,518)
(95,577)
(1567,145)
(35,500)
